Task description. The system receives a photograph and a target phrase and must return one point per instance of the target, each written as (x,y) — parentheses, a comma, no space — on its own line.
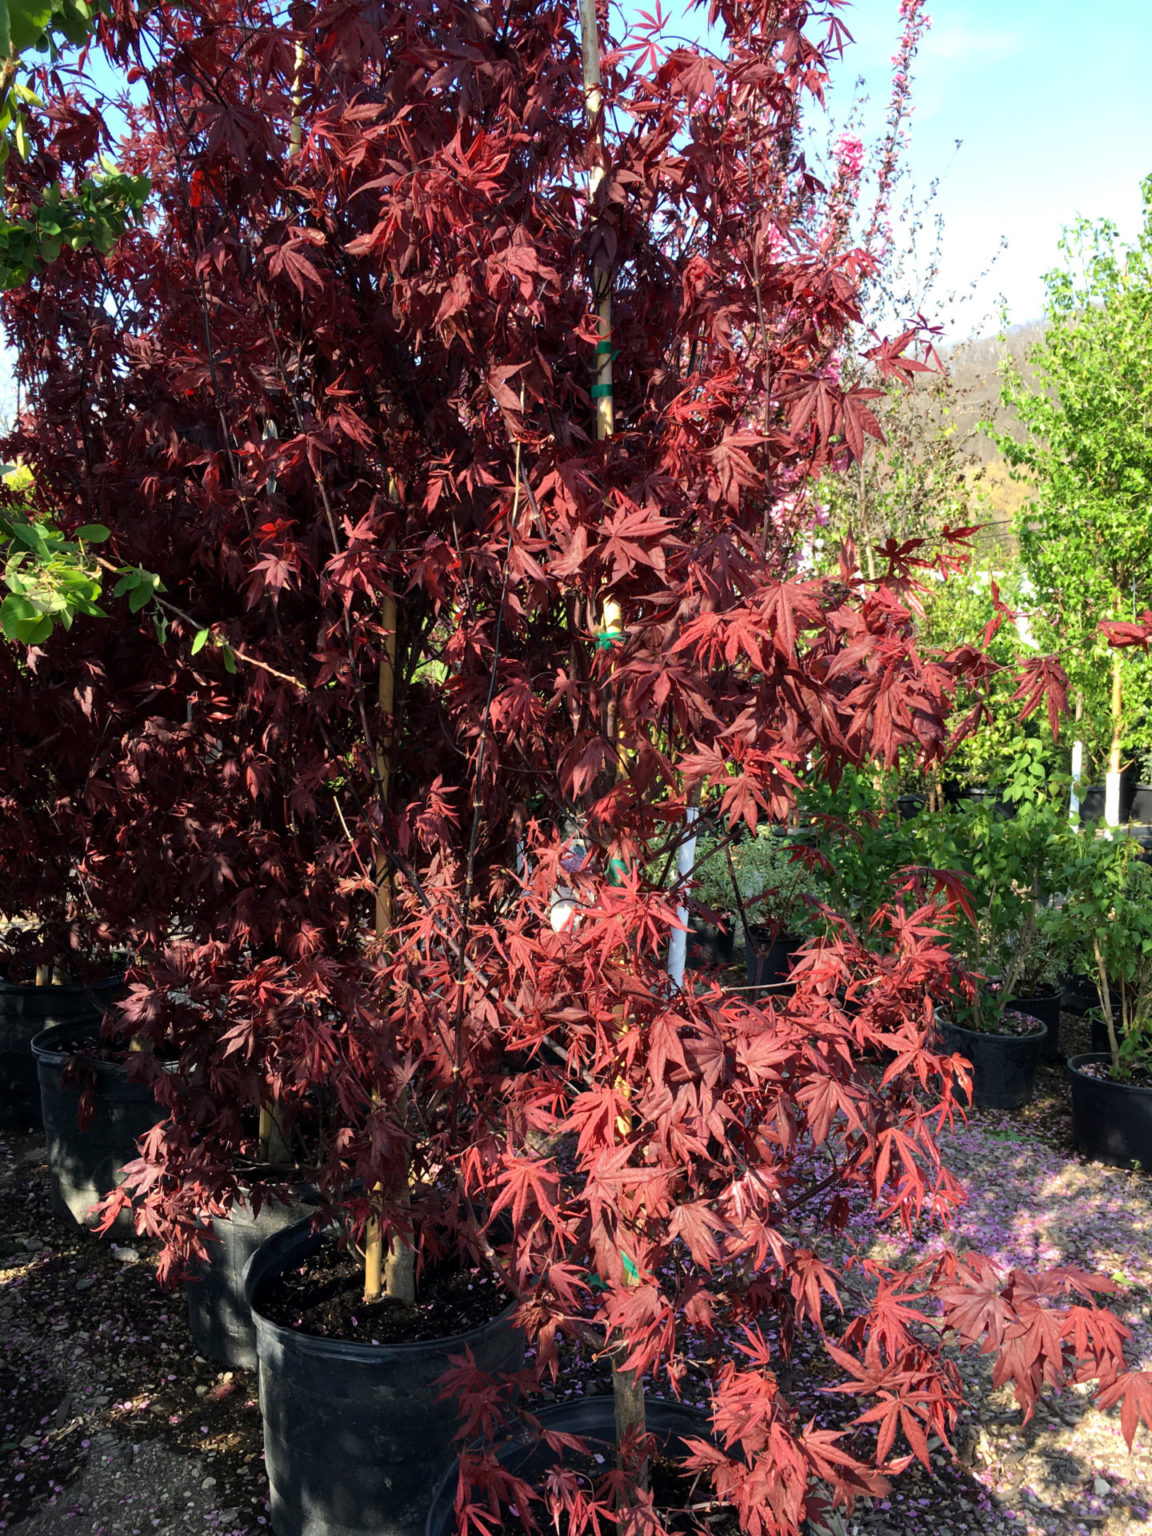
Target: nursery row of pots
(374,1408)
(357,1440)
(1112,1120)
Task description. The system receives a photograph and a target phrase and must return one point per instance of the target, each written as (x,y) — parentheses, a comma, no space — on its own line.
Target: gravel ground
(111,1425)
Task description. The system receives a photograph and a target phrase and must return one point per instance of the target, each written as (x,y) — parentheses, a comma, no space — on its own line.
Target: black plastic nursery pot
(1080,995)
(85,1163)
(1003,1066)
(768,961)
(355,1435)
(1044,1006)
(1092,802)
(909,806)
(1111,1122)
(1141,808)
(709,944)
(219,1317)
(593,1419)
(24,1012)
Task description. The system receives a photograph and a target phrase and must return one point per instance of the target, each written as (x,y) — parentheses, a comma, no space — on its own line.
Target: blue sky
(1052,100)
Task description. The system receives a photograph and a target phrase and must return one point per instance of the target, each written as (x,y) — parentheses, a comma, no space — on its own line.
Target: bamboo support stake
(386,696)
(603,397)
(394,1273)
(1112,783)
(601,276)
(294,127)
(627,1391)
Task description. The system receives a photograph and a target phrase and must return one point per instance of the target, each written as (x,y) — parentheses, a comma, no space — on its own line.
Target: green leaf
(160,624)
(21,620)
(199,640)
(16,610)
(22,23)
(30,534)
(127,583)
(142,593)
(93,533)
(229,658)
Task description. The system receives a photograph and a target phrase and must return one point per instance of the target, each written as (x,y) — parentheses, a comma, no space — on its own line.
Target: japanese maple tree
(336,395)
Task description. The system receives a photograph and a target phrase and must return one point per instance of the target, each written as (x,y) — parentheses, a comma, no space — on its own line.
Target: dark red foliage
(319,384)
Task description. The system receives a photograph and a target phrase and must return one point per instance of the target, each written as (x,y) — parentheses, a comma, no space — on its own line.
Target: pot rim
(552,1416)
(113,980)
(1044,995)
(352,1350)
(1073,1065)
(991,1034)
(45,1051)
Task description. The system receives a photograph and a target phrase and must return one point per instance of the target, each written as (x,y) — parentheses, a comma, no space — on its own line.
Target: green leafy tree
(37,224)
(910,483)
(1086,534)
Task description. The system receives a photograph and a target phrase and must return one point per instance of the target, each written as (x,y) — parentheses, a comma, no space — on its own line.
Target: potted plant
(1003,935)
(27,1008)
(1030,973)
(779,889)
(1107,913)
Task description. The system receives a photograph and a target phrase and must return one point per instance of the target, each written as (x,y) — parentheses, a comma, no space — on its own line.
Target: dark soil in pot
(325,1296)
(24,1012)
(592,1419)
(87,1151)
(356,1434)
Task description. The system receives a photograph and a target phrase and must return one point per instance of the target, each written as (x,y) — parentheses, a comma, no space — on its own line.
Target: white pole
(678,939)
(1077,775)
(1112,798)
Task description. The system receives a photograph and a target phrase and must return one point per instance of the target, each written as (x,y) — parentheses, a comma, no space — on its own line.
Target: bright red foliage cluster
(326,384)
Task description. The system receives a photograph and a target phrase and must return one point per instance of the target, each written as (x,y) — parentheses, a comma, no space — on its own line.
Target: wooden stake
(294,130)
(602,394)
(1114,751)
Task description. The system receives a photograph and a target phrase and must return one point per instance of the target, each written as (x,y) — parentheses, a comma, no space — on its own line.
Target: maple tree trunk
(1105,993)
(1112,782)
(628,1405)
(272,1145)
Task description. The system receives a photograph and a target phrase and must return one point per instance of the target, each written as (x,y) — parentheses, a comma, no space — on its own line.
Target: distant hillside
(974,370)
